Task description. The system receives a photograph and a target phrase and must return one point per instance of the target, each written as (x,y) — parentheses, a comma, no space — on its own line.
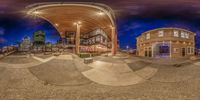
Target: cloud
(2,40)
(2,31)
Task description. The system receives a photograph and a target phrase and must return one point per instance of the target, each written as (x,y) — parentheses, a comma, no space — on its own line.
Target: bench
(88,60)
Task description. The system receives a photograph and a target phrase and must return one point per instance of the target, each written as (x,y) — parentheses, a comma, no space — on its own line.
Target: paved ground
(59,78)
(17,59)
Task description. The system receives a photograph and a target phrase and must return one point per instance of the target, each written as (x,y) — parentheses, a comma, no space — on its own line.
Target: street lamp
(127,47)
(77,23)
(100,13)
(56,24)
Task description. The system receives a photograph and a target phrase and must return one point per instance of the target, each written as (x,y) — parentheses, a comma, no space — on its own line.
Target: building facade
(38,38)
(38,41)
(198,52)
(166,42)
(94,41)
(25,44)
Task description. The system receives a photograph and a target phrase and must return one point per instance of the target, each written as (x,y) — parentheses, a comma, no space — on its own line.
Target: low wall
(6,54)
(1,56)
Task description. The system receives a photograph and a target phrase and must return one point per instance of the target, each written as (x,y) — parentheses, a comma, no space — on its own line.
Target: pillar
(114,41)
(170,55)
(77,38)
(63,41)
(152,49)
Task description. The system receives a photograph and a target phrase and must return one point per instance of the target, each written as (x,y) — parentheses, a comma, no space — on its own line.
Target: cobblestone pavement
(21,84)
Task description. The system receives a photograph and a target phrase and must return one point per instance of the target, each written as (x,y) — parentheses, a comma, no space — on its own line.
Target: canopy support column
(114,41)
(77,38)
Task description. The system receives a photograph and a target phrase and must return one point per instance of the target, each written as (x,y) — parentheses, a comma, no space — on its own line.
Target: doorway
(150,52)
(183,52)
(161,49)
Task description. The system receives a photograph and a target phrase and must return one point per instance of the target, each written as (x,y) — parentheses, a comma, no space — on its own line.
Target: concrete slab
(64,57)
(112,74)
(120,68)
(120,57)
(1,55)
(172,74)
(129,60)
(197,63)
(26,65)
(80,65)
(100,64)
(43,60)
(110,78)
(59,72)
(146,72)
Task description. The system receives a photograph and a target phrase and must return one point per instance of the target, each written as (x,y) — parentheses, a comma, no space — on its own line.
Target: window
(176,34)
(146,52)
(187,35)
(160,33)
(141,40)
(148,36)
(183,34)
(188,50)
(150,52)
(176,50)
(98,39)
(192,50)
(101,39)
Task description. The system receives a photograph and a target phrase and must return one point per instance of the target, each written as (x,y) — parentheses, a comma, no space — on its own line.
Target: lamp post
(127,47)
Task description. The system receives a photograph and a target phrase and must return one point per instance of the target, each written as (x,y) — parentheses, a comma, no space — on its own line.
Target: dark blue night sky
(13,30)
(133,18)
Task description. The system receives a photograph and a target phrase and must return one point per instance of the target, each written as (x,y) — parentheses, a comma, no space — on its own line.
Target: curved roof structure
(62,15)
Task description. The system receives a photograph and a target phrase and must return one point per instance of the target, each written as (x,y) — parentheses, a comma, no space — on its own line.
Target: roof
(62,15)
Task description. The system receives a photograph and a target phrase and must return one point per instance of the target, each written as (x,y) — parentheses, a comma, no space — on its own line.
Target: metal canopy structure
(79,17)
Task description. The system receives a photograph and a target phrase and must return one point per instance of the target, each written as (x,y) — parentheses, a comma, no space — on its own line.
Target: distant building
(38,39)
(25,44)
(70,39)
(4,49)
(94,41)
(166,42)
(198,52)
(48,47)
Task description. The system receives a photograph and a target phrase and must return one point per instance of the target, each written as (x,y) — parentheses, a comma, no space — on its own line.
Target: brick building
(166,42)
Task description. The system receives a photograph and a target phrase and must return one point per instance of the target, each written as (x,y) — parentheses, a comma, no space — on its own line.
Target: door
(146,52)
(183,52)
(164,50)
(150,52)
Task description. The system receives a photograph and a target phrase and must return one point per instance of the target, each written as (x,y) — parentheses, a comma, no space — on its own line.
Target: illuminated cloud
(2,31)
(2,40)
